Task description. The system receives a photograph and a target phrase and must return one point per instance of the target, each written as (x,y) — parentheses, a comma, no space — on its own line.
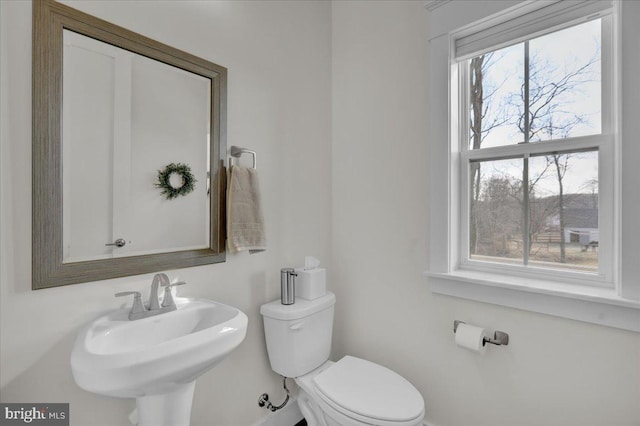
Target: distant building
(580,219)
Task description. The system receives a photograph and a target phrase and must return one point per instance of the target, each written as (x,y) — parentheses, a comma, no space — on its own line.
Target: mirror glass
(125,118)
(129,141)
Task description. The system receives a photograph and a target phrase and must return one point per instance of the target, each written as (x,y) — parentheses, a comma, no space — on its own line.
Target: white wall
(554,371)
(278,56)
(360,199)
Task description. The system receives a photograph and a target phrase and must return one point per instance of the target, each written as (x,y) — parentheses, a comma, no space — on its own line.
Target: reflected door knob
(120,242)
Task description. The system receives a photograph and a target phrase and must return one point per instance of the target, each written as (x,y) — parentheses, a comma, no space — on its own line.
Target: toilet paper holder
(500,338)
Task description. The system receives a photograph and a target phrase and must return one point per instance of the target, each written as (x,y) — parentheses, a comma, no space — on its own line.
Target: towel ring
(236,152)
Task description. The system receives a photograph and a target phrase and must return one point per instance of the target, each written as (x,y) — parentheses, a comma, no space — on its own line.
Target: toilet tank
(298,336)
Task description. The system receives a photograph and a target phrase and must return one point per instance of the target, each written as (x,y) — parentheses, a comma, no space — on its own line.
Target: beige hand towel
(245,224)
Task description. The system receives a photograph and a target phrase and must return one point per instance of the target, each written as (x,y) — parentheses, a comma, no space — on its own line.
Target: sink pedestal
(169,409)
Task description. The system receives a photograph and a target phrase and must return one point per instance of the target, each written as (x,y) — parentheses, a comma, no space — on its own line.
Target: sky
(555,55)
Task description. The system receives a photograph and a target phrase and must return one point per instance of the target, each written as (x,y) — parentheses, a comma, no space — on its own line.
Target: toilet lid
(369,390)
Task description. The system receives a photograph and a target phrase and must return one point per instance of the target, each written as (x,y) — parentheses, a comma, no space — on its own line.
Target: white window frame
(611,297)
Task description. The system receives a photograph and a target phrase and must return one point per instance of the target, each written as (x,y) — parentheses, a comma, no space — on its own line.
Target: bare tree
(561,163)
(483,119)
(498,215)
(499,208)
(539,110)
(546,110)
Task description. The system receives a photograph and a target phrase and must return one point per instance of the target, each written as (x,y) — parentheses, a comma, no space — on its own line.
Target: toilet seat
(369,393)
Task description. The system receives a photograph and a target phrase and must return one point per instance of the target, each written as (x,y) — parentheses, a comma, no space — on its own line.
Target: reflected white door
(124,118)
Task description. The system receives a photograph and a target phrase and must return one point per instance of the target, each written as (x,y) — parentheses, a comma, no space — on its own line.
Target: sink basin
(157,359)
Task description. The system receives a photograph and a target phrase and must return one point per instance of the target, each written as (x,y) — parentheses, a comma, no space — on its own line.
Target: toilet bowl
(349,392)
(355,392)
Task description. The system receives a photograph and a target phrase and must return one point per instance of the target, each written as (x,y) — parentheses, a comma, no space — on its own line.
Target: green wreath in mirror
(171,190)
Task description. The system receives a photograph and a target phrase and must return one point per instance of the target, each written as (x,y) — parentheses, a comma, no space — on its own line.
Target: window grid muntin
(525,209)
(606,47)
(602,142)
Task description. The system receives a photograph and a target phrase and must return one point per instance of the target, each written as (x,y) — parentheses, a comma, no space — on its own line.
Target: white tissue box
(311,283)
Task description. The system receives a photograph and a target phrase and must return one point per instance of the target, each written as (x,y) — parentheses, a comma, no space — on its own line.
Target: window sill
(590,304)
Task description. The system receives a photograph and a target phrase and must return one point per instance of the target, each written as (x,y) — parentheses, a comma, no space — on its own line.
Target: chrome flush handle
(120,242)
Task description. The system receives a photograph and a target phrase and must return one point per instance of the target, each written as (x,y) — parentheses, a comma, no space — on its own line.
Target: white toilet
(349,392)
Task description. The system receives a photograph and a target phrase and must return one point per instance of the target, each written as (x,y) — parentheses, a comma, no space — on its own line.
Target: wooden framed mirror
(112,110)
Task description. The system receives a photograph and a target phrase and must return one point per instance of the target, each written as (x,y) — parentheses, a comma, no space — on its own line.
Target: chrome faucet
(154,307)
(158,279)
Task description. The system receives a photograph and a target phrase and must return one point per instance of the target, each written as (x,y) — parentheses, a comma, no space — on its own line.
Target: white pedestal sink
(157,359)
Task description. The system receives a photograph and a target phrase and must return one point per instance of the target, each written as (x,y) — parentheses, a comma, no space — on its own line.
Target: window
(536,130)
(533,195)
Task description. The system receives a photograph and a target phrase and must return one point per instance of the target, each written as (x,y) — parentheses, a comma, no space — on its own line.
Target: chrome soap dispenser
(288,286)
